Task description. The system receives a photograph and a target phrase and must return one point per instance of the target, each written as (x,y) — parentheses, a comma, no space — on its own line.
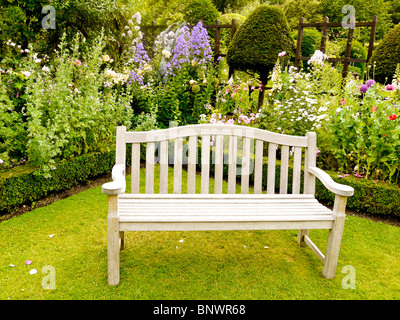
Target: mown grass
(206,265)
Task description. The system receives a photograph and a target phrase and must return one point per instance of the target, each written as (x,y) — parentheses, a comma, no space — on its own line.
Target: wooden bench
(219,145)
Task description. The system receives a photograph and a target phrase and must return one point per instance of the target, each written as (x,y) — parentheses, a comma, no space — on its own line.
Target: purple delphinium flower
(141,54)
(364,88)
(370,82)
(134,77)
(190,46)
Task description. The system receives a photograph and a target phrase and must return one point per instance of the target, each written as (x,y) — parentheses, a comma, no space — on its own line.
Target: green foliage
(386,56)
(259,40)
(183,98)
(310,10)
(311,41)
(224,6)
(365,12)
(204,10)
(365,135)
(358,51)
(26,188)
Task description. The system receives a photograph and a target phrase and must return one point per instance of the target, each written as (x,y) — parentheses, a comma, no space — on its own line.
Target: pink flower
(390,87)
(28,262)
(364,88)
(282,54)
(370,82)
(78,63)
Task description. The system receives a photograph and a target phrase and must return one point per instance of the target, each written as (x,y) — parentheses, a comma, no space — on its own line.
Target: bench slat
(214,129)
(258,167)
(225,225)
(178,166)
(219,163)
(164,166)
(150,167)
(284,170)
(232,165)
(245,166)
(192,160)
(271,168)
(135,168)
(296,170)
(205,164)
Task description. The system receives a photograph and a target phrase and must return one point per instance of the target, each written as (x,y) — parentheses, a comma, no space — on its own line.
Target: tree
(365,11)
(386,56)
(259,40)
(310,10)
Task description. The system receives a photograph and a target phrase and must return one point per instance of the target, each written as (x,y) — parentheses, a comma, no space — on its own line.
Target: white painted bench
(259,211)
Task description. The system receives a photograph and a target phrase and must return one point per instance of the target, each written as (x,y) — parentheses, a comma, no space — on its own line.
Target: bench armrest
(327,181)
(119,183)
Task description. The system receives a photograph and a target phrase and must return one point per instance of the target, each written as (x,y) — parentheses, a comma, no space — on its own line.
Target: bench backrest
(240,148)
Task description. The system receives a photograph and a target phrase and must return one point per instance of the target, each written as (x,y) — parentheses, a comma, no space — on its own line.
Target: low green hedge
(27,187)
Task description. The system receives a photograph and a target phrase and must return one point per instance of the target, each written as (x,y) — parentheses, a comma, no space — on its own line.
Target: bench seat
(176,212)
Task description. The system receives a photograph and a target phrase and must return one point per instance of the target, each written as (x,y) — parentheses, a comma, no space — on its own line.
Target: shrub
(311,10)
(203,10)
(358,51)
(311,42)
(259,40)
(386,56)
(32,185)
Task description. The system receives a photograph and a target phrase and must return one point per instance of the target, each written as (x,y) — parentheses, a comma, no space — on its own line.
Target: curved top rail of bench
(215,129)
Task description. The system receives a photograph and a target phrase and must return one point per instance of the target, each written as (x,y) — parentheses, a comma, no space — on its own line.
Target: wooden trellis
(325,25)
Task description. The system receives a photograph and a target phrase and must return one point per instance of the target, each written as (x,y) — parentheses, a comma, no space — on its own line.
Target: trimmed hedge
(386,56)
(259,40)
(26,188)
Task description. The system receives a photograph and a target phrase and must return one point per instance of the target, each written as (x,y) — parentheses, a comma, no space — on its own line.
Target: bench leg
(113,246)
(335,238)
(300,236)
(122,240)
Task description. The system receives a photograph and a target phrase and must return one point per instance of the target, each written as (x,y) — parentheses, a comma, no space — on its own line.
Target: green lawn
(206,265)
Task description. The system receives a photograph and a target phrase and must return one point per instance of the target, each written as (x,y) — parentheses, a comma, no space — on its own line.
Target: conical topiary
(259,40)
(386,56)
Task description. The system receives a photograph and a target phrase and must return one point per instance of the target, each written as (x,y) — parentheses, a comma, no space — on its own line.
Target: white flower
(129,33)
(45,69)
(1,161)
(318,58)
(38,60)
(166,53)
(12,44)
(137,17)
(26,73)
(130,21)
